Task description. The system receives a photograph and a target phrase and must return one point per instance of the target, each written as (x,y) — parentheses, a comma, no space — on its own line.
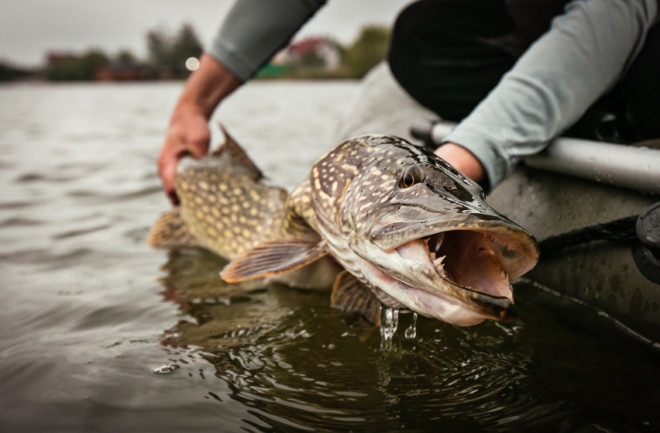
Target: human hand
(188,133)
(462,160)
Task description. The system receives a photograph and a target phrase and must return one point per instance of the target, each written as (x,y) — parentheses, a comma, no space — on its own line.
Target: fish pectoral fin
(271,258)
(170,230)
(350,295)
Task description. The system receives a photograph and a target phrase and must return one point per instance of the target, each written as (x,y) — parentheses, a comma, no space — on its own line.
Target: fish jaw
(461,278)
(438,305)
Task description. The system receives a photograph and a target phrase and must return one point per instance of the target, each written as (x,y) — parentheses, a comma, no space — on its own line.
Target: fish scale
(371,205)
(228,209)
(232,221)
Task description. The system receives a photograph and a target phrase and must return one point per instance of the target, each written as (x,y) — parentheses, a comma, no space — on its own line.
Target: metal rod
(616,164)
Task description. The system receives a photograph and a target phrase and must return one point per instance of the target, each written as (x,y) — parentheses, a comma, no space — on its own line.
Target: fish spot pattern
(226,211)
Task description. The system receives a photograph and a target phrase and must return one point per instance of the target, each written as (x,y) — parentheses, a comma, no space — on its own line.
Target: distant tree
(7,72)
(126,58)
(91,60)
(158,49)
(71,67)
(312,60)
(167,54)
(369,49)
(186,44)
(61,67)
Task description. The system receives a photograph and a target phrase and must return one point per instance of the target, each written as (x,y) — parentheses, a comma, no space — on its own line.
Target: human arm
(462,160)
(188,131)
(251,33)
(585,53)
(254,30)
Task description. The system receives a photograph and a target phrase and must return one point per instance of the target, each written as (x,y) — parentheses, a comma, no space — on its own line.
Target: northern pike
(408,230)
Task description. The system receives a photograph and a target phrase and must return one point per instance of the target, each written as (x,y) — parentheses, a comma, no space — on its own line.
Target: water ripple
(43,256)
(307,368)
(80,232)
(121,196)
(20,222)
(87,314)
(41,177)
(16,204)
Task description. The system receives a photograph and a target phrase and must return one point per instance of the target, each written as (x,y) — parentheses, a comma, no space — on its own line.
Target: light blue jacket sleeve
(254,30)
(585,52)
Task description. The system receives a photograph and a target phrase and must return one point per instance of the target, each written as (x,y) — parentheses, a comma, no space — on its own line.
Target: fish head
(425,237)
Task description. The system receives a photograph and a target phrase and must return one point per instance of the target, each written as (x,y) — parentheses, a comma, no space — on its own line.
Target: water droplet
(165,369)
(411,331)
(388,324)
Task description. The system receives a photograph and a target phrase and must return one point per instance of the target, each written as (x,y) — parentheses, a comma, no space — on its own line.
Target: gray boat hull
(600,273)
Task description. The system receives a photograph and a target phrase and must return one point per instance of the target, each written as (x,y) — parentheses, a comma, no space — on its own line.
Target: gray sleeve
(586,51)
(254,30)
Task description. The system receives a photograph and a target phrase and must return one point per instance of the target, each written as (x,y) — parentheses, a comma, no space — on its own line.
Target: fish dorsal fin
(231,150)
(351,296)
(170,230)
(271,258)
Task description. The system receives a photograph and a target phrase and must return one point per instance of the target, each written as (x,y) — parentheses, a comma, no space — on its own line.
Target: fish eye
(411,176)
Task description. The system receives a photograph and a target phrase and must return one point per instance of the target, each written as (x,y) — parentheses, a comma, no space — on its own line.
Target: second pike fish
(408,230)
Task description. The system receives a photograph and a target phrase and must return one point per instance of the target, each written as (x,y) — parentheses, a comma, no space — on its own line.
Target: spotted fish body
(409,230)
(226,208)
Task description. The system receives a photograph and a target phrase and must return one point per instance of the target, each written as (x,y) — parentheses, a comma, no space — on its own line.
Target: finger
(198,144)
(167,171)
(174,199)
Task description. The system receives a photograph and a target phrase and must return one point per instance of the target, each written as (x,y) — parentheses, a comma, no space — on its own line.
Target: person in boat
(515,73)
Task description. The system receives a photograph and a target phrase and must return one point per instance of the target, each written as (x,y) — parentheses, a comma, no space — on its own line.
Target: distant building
(120,73)
(55,57)
(321,49)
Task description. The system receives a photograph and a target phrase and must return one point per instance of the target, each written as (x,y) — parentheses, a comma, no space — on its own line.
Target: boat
(594,207)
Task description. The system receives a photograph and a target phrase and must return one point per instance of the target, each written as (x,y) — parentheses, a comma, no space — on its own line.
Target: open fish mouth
(469,260)
(462,276)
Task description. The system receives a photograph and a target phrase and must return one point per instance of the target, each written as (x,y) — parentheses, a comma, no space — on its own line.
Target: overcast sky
(30,28)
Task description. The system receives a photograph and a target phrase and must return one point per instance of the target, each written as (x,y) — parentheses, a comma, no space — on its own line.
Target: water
(411,330)
(100,333)
(389,323)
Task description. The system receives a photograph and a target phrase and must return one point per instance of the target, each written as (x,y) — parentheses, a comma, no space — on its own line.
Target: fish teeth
(439,265)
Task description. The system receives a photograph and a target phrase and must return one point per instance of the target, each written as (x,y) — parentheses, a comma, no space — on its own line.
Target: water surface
(100,333)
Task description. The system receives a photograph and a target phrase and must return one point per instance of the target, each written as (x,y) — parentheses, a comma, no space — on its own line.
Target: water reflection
(296,364)
(217,314)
